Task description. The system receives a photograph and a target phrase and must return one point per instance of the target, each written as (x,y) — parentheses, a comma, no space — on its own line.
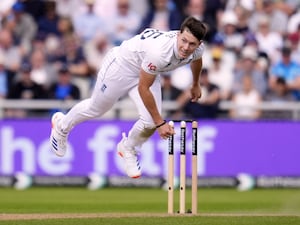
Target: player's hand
(195,93)
(165,131)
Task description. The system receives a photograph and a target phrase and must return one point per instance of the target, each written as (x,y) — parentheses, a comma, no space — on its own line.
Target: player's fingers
(194,99)
(171,130)
(167,134)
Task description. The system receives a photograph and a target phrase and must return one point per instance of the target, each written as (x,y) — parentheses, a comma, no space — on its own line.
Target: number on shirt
(151,33)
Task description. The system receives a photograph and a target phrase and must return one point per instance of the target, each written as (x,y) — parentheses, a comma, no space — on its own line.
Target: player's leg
(108,89)
(140,132)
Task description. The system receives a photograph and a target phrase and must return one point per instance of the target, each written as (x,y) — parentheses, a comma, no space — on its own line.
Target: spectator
(95,50)
(47,24)
(288,70)
(228,57)
(42,72)
(293,40)
(228,31)
(103,8)
(36,8)
(220,75)
(5,12)
(162,16)
(278,20)
(248,66)
(24,88)
(293,22)
(250,40)
(52,48)
(25,27)
(72,54)
(245,101)
(64,89)
(5,8)
(66,28)
(262,62)
(178,4)
(268,41)
(11,54)
(170,93)
(208,105)
(269,24)
(54,44)
(288,7)
(207,11)
(243,14)
(78,67)
(38,43)
(214,10)
(280,92)
(87,24)
(3,79)
(195,8)
(68,8)
(248,5)
(141,7)
(125,23)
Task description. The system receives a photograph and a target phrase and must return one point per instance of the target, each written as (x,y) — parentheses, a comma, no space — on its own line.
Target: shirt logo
(152,67)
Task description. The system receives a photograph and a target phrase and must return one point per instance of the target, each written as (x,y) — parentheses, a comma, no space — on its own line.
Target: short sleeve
(152,63)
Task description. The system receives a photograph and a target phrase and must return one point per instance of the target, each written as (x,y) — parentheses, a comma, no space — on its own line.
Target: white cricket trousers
(114,81)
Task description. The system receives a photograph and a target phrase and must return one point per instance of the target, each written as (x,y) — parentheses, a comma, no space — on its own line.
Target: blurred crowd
(52,49)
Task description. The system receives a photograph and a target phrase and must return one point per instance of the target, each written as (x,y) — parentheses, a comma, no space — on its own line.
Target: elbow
(140,89)
(143,88)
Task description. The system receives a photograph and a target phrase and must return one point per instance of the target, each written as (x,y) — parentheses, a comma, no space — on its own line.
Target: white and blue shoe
(58,138)
(129,155)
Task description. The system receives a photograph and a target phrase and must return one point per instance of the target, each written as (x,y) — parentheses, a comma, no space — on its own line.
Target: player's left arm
(196,67)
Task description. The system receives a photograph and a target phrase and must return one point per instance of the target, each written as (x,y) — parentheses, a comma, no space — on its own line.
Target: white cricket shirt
(154,51)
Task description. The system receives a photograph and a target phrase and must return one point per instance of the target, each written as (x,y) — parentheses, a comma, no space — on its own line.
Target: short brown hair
(196,27)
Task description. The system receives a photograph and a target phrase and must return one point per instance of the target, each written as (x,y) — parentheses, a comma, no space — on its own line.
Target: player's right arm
(146,80)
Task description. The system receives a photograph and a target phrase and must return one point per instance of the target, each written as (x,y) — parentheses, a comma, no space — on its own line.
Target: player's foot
(129,155)
(58,138)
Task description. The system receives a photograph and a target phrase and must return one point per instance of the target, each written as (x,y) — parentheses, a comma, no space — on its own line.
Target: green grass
(148,206)
(166,221)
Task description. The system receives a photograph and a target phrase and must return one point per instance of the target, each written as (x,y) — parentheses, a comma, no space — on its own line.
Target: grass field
(135,206)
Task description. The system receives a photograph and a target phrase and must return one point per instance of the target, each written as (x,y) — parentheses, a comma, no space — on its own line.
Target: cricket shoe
(58,138)
(129,155)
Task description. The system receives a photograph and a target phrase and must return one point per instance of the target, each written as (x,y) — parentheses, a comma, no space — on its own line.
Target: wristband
(163,123)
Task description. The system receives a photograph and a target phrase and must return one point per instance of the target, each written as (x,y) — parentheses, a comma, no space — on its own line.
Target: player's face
(186,43)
